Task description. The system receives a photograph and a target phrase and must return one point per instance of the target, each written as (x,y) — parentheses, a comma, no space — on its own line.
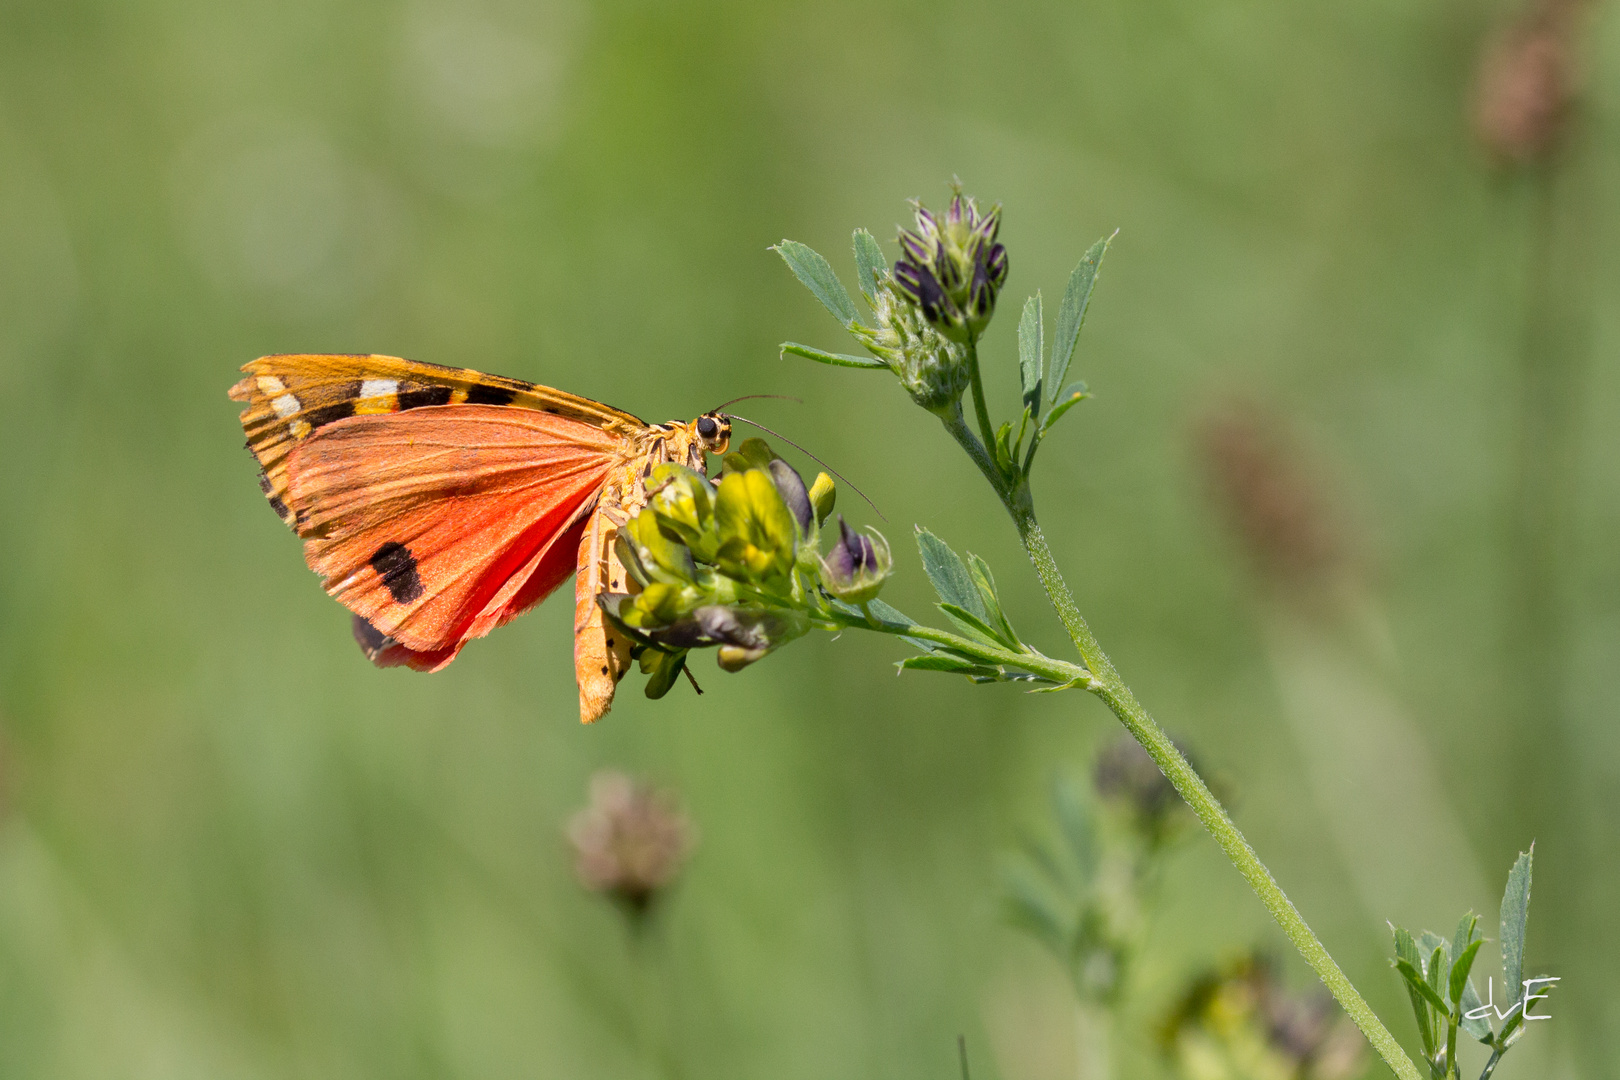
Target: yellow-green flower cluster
(733,564)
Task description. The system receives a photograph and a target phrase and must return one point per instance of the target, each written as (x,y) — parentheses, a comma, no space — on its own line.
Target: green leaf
(1515,913)
(949,574)
(1031,909)
(971,624)
(809,267)
(1031,349)
(1460,968)
(1074,395)
(1081,683)
(1479,1028)
(884,613)
(1072,311)
(870,265)
(663,669)
(1005,460)
(1465,934)
(835,359)
(1408,963)
(992,603)
(1074,818)
(1420,986)
(954,665)
(1438,969)
(936,661)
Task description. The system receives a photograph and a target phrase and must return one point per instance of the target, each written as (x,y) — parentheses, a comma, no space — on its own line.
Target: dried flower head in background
(1127,777)
(1527,82)
(1239,1023)
(1274,505)
(630,841)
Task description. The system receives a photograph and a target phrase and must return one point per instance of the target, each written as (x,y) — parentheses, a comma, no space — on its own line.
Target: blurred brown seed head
(1128,777)
(1272,502)
(1526,83)
(1240,1021)
(630,841)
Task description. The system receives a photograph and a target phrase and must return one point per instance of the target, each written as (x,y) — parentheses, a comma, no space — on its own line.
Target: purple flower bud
(790,485)
(923,289)
(857,566)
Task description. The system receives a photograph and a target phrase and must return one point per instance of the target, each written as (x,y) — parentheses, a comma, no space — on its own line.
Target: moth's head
(713,432)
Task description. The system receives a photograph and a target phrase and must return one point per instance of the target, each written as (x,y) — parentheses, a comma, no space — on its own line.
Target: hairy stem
(1112,689)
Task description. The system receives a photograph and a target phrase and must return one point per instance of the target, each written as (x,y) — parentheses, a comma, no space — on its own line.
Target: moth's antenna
(691,679)
(806,453)
(751,397)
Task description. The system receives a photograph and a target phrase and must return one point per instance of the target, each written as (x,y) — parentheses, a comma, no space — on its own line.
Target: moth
(437,503)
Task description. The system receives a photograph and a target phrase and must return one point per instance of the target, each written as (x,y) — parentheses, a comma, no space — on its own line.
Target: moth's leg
(601,653)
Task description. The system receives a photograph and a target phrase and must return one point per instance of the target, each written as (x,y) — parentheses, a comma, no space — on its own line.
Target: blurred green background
(231,848)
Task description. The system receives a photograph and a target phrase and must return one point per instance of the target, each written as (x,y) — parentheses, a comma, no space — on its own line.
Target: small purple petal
(996,264)
(919,250)
(790,485)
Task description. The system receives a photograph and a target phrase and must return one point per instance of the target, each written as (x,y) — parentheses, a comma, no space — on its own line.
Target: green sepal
(817,276)
(793,348)
(1072,311)
(870,265)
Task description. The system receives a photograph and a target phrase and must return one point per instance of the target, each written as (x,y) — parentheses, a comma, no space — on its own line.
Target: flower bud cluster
(953,268)
(736,564)
(932,367)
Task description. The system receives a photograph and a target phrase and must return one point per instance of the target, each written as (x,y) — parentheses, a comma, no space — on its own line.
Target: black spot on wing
(326,414)
(423,396)
(396,566)
(484,394)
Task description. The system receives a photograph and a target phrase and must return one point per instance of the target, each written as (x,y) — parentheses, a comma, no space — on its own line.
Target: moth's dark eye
(707,427)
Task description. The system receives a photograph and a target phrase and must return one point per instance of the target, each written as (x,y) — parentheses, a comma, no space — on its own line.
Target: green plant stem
(979,407)
(1107,684)
(1112,689)
(1490,1066)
